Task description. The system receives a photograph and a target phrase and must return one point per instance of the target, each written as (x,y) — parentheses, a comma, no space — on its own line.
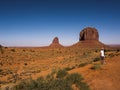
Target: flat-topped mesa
(88,34)
(55,43)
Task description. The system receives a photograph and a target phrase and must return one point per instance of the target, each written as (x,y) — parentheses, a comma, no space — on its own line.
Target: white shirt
(102,53)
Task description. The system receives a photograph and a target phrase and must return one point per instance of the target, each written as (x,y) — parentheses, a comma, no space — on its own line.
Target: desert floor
(17,64)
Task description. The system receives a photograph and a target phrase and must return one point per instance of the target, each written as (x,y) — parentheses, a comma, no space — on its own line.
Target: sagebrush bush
(51,83)
(96,66)
(61,73)
(74,78)
(82,64)
(69,68)
(83,86)
(96,59)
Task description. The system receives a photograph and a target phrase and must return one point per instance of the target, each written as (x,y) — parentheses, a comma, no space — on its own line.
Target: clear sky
(37,22)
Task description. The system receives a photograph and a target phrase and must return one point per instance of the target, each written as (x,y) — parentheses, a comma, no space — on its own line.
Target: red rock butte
(89,38)
(89,34)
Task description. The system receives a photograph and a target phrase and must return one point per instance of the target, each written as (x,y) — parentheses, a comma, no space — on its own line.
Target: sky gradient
(37,22)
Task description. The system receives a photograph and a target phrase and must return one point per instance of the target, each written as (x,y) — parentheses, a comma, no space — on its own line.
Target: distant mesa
(55,43)
(89,34)
(89,38)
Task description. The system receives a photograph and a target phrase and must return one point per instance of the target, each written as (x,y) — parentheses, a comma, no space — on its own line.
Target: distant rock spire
(55,43)
(55,40)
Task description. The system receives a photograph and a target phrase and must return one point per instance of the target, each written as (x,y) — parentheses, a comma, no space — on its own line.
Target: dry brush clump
(62,81)
(109,53)
(96,66)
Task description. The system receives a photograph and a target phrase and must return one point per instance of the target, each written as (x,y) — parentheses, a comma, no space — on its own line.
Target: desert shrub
(83,86)
(96,66)
(59,84)
(82,64)
(69,68)
(32,85)
(20,86)
(96,59)
(51,83)
(13,50)
(61,73)
(53,71)
(111,55)
(74,78)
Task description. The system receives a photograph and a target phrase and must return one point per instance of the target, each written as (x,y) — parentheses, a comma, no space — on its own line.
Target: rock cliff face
(55,43)
(89,34)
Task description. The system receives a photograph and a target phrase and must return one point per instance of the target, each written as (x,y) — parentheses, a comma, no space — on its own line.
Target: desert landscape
(58,67)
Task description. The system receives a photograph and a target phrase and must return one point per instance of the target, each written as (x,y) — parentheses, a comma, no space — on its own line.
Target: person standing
(102,53)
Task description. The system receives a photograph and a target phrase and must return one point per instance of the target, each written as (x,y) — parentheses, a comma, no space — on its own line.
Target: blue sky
(37,22)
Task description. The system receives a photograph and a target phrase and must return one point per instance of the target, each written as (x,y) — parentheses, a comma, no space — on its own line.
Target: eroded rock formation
(89,38)
(55,40)
(55,43)
(89,34)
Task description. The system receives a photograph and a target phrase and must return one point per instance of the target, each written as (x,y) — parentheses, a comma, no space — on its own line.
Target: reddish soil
(106,78)
(36,62)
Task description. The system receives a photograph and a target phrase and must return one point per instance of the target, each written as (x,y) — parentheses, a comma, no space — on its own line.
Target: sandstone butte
(89,37)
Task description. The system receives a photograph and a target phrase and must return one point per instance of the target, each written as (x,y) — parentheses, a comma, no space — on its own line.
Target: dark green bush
(74,78)
(51,83)
(96,66)
(69,68)
(61,73)
(83,86)
(82,64)
(20,86)
(96,59)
